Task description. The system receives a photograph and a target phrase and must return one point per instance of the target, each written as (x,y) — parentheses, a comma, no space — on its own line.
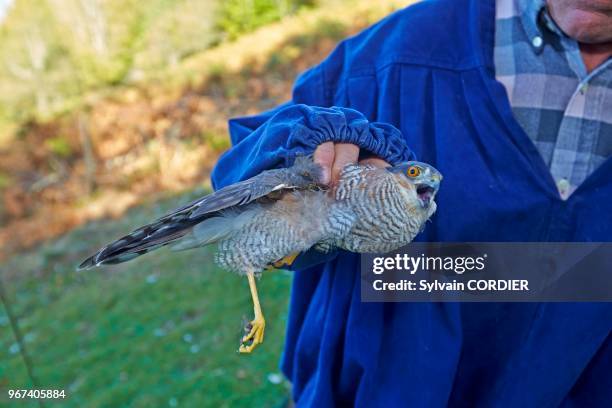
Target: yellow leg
(257,325)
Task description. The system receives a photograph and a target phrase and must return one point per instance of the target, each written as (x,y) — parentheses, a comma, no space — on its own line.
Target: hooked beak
(426,190)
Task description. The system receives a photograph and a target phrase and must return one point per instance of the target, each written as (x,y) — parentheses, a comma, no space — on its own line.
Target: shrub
(239,16)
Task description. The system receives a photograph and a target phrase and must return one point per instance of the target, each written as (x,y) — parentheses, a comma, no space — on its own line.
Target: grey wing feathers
(304,174)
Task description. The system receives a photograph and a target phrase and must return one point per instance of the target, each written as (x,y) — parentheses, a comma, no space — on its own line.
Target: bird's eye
(413,171)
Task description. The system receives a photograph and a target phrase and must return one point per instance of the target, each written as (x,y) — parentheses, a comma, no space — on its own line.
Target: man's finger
(346,153)
(324,156)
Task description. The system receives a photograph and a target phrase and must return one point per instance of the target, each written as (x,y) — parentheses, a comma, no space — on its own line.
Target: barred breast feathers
(387,214)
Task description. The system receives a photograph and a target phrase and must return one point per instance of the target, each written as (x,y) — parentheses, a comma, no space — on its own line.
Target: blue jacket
(428,71)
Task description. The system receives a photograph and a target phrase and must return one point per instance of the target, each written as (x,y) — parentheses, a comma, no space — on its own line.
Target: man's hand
(334,156)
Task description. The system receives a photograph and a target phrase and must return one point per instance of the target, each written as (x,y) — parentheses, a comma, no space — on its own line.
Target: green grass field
(161,330)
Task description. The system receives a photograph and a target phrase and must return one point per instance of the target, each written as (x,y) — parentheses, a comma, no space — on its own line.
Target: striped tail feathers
(138,242)
(183,233)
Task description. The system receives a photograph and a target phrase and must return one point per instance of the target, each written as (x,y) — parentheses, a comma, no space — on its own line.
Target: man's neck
(594,55)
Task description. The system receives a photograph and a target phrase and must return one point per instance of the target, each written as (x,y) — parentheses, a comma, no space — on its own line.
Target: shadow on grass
(161,330)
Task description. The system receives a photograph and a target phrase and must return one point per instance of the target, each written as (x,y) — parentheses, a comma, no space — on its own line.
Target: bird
(267,221)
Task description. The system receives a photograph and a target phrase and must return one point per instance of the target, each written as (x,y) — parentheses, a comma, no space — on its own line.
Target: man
(513,103)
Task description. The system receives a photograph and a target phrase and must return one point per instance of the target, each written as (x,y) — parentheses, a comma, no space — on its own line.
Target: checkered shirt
(566,111)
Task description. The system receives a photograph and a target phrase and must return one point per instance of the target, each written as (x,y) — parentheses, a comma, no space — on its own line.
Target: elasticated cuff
(317,125)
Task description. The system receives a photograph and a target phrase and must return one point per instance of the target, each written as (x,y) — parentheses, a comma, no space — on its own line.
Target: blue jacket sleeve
(276,137)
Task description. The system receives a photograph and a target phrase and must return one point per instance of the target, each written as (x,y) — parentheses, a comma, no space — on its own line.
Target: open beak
(426,191)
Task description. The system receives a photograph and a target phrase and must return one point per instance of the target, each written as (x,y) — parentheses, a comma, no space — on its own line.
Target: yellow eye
(413,171)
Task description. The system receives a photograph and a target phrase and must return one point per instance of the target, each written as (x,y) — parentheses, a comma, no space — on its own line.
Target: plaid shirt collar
(530,12)
(535,19)
(538,25)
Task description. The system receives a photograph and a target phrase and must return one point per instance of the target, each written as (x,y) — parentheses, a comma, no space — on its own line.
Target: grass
(159,331)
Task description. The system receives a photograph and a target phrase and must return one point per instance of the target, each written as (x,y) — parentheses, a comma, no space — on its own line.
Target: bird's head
(421,178)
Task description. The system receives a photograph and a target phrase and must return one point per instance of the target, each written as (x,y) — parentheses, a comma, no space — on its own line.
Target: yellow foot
(254,337)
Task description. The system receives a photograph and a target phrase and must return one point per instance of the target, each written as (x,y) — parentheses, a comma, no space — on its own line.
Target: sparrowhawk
(268,219)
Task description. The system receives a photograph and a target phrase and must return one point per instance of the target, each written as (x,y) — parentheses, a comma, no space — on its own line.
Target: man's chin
(592,31)
(588,26)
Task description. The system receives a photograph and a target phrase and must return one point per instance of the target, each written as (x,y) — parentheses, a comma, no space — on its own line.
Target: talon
(255,335)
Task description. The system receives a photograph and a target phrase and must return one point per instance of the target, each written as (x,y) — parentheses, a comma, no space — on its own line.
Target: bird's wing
(268,185)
